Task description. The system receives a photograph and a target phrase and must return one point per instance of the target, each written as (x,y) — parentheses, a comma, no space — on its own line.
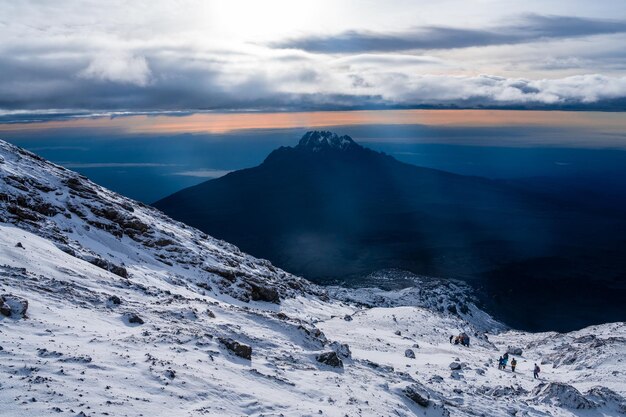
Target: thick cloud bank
(86,57)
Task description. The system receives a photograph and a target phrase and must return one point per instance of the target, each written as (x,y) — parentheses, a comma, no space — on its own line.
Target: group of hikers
(462,339)
(504,360)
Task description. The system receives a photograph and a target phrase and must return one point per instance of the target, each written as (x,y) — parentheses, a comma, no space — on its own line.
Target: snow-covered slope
(130,313)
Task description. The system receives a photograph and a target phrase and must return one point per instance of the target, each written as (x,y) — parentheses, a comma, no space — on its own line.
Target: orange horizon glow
(229,122)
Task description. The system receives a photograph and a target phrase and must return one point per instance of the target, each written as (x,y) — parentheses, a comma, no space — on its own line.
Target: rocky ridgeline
(63,206)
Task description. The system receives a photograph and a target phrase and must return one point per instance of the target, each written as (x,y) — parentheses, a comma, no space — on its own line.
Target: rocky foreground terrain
(108,307)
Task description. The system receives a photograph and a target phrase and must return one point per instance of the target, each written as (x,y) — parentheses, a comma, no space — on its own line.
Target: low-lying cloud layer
(69,58)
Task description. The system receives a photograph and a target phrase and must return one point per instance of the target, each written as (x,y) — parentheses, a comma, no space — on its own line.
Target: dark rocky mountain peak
(317,141)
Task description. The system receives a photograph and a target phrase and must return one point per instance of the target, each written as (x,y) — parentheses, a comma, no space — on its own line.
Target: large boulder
(13,306)
(517,351)
(562,395)
(264,293)
(606,397)
(455,366)
(132,318)
(416,394)
(330,359)
(342,349)
(239,349)
(409,354)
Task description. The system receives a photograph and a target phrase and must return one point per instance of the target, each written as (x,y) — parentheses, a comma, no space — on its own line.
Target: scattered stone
(77,359)
(114,300)
(133,318)
(436,379)
(503,391)
(264,293)
(330,359)
(455,366)
(415,346)
(398,333)
(13,306)
(342,349)
(170,373)
(109,266)
(347,317)
(416,394)
(385,368)
(239,349)
(45,353)
(517,351)
(457,374)
(19,245)
(409,354)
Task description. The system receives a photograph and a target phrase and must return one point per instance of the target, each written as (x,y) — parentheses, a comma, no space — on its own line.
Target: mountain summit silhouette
(331,208)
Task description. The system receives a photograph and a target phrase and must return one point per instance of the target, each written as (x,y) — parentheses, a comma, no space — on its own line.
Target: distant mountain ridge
(329,207)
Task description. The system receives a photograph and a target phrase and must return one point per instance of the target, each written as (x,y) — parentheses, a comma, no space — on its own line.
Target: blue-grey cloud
(88,71)
(529,28)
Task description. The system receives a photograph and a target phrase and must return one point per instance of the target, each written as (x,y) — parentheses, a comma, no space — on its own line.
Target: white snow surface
(87,259)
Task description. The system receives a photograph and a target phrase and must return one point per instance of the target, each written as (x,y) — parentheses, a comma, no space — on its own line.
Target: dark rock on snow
(264,293)
(417,395)
(455,366)
(342,349)
(330,359)
(114,300)
(133,318)
(13,306)
(409,353)
(239,349)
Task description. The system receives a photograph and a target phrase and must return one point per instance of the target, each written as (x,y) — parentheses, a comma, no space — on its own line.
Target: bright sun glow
(255,21)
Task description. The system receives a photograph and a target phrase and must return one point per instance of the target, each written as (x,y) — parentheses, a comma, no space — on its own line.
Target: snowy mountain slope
(124,236)
(393,288)
(130,313)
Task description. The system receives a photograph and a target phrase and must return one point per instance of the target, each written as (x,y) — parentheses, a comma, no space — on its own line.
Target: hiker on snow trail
(536,371)
(513,364)
(500,362)
(451,337)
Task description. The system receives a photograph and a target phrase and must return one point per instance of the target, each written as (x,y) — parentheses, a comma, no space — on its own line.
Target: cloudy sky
(92,57)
